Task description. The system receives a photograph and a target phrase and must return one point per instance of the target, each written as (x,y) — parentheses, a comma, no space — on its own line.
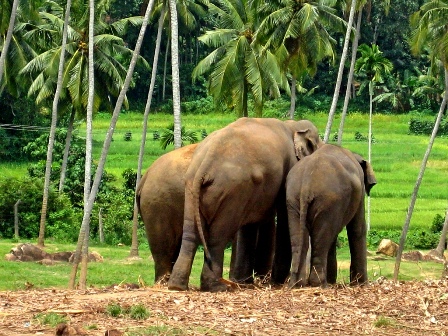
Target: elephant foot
(177,284)
(220,285)
(296,282)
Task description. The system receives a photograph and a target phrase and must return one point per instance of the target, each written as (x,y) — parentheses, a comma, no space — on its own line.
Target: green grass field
(116,269)
(396,158)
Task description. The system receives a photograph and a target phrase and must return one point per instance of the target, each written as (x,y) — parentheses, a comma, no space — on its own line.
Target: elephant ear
(305,144)
(369,175)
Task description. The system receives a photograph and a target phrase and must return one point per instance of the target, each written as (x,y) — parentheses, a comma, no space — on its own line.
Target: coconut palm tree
(360,5)
(10,30)
(107,142)
(430,33)
(54,118)
(237,66)
(372,65)
(110,56)
(16,50)
(175,72)
(75,77)
(340,71)
(133,253)
(299,32)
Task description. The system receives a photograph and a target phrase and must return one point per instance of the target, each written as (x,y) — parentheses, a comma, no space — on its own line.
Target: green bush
(416,239)
(421,239)
(117,211)
(200,106)
(425,127)
(29,190)
(437,223)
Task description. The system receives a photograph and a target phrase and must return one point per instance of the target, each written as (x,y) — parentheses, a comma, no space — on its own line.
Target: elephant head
(306,139)
(369,175)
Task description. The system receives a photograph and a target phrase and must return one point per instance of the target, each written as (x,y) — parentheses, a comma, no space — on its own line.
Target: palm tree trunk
(134,246)
(340,72)
(107,141)
(68,140)
(441,246)
(370,145)
(12,20)
(245,92)
(419,178)
(292,107)
(54,119)
(175,74)
(164,70)
(88,164)
(350,77)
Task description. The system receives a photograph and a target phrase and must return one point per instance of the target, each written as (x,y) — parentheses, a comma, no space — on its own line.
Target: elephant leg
(264,251)
(356,233)
(182,268)
(299,248)
(332,264)
(321,239)
(243,254)
(164,255)
(211,276)
(282,256)
(162,267)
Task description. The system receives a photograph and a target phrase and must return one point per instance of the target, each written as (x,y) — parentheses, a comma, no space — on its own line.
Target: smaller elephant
(325,193)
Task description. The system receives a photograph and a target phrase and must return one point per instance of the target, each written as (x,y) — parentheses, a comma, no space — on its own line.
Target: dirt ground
(380,308)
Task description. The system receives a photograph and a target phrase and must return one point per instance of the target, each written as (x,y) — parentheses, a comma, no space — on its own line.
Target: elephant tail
(297,244)
(197,184)
(139,192)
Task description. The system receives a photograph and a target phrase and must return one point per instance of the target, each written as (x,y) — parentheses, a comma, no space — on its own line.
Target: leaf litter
(379,308)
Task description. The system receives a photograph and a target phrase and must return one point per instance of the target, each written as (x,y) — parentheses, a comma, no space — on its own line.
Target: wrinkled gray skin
(325,193)
(160,200)
(236,177)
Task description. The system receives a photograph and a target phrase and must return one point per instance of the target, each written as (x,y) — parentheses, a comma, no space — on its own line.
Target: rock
(412,256)
(95,256)
(387,247)
(64,329)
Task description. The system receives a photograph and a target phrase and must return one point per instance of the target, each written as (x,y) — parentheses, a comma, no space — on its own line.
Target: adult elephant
(160,200)
(325,193)
(235,178)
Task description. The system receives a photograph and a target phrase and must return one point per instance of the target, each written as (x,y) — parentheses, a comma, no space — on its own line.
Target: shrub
(127,136)
(29,190)
(437,224)
(130,179)
(425,127)
(200,106)
(416,239)
(167,136)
